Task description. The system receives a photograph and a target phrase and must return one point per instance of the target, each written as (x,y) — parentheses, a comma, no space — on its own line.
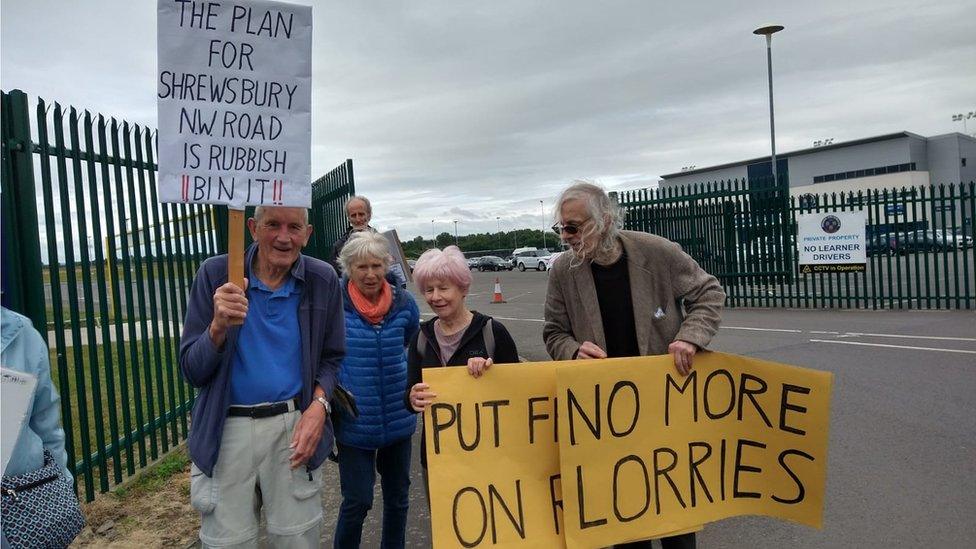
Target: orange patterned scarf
(374,312)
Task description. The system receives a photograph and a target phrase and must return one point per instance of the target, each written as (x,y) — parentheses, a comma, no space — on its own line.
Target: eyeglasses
(568,228)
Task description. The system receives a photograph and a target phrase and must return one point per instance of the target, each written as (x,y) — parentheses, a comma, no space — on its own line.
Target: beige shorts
(252,472)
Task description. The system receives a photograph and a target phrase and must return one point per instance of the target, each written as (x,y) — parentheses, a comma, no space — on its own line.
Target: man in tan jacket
(619,293)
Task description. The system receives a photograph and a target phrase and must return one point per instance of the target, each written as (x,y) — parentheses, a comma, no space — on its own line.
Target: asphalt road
(902,457)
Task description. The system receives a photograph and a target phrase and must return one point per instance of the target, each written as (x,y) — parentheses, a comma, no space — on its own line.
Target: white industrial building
(891,161)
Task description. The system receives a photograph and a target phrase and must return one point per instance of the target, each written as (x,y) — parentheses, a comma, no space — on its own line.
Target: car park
(493,263)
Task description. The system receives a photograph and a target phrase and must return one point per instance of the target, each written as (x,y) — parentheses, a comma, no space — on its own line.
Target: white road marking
(892,346)
(847,334)
(858,334)
(760,329)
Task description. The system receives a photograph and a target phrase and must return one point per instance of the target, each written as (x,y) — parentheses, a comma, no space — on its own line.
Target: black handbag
(40,508)
(343,404)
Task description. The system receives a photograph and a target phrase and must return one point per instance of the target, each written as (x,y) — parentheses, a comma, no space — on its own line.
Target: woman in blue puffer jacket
(381,319)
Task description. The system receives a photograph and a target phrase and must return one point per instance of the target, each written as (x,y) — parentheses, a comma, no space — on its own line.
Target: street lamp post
(542,206)
(432,237)
(768,32)
(498,229)
(455,233)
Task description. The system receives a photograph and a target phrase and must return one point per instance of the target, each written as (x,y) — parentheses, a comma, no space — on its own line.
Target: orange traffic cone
(498,292)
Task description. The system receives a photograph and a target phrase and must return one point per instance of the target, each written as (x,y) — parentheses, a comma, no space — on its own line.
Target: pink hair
(448,265)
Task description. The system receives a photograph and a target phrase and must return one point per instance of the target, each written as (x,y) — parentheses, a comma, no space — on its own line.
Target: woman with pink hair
(457,336)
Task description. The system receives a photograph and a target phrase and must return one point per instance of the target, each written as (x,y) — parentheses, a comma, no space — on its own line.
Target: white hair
(369,207)
(606,218)
(362,245)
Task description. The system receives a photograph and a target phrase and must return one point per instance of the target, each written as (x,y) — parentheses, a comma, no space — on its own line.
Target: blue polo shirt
(266,366)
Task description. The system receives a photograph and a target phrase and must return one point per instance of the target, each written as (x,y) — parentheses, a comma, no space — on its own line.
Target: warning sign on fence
(234,102)
(831,242)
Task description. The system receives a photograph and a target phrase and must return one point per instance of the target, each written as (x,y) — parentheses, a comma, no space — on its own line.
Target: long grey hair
(607,219)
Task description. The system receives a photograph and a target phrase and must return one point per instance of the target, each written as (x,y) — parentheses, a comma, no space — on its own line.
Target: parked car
(411,263)
(954,239)
(493,263)
(532,259)
(922,241)
(552,258)
(473,262)
(880,244)
(963,240)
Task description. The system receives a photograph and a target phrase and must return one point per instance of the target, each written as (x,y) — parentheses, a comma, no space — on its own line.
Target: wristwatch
(325,402)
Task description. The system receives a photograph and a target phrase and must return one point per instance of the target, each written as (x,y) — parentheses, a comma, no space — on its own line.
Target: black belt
(265,410)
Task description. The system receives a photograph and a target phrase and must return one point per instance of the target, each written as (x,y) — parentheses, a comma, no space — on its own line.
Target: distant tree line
(495,242)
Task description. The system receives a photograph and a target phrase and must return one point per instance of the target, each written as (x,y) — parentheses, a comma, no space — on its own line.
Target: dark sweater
(472,345)
(616,308)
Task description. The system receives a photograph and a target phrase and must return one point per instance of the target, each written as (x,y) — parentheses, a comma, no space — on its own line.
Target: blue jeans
(357,475)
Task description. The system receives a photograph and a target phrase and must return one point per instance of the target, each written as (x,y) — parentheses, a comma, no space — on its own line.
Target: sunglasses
(567,228)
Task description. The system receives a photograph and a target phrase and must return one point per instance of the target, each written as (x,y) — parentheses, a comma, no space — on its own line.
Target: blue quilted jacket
(375,371)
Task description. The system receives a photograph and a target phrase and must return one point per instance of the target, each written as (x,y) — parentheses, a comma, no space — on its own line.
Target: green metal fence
(104,269)
(744,232)
(328,216)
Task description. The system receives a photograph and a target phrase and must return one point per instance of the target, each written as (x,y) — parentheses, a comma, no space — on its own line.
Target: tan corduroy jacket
(674,298)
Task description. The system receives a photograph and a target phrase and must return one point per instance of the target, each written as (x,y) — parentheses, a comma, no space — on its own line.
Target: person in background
(265,358)
(381,318)
(457,336)
(621,293)
(359,212)
(35,513)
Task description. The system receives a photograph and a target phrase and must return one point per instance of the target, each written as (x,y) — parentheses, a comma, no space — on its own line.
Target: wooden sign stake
(235,247)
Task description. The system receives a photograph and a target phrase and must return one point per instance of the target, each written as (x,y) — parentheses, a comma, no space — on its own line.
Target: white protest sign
(831,242)
(16,400)
(234,102)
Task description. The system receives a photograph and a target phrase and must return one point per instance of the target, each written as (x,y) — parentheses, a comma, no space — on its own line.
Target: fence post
(22,243)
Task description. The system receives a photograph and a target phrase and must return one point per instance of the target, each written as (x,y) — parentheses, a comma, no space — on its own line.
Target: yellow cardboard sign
(640,450)
(644,451)
(492,457)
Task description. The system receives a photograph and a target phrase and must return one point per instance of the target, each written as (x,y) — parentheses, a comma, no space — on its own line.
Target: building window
(881,170)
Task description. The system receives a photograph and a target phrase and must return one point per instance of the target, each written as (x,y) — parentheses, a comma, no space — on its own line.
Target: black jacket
(472,345)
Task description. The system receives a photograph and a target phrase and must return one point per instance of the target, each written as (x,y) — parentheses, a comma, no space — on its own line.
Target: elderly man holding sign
(263,337)
(621,293)
(265,358)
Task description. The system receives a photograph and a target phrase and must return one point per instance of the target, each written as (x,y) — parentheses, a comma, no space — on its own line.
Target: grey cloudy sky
(475,110)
